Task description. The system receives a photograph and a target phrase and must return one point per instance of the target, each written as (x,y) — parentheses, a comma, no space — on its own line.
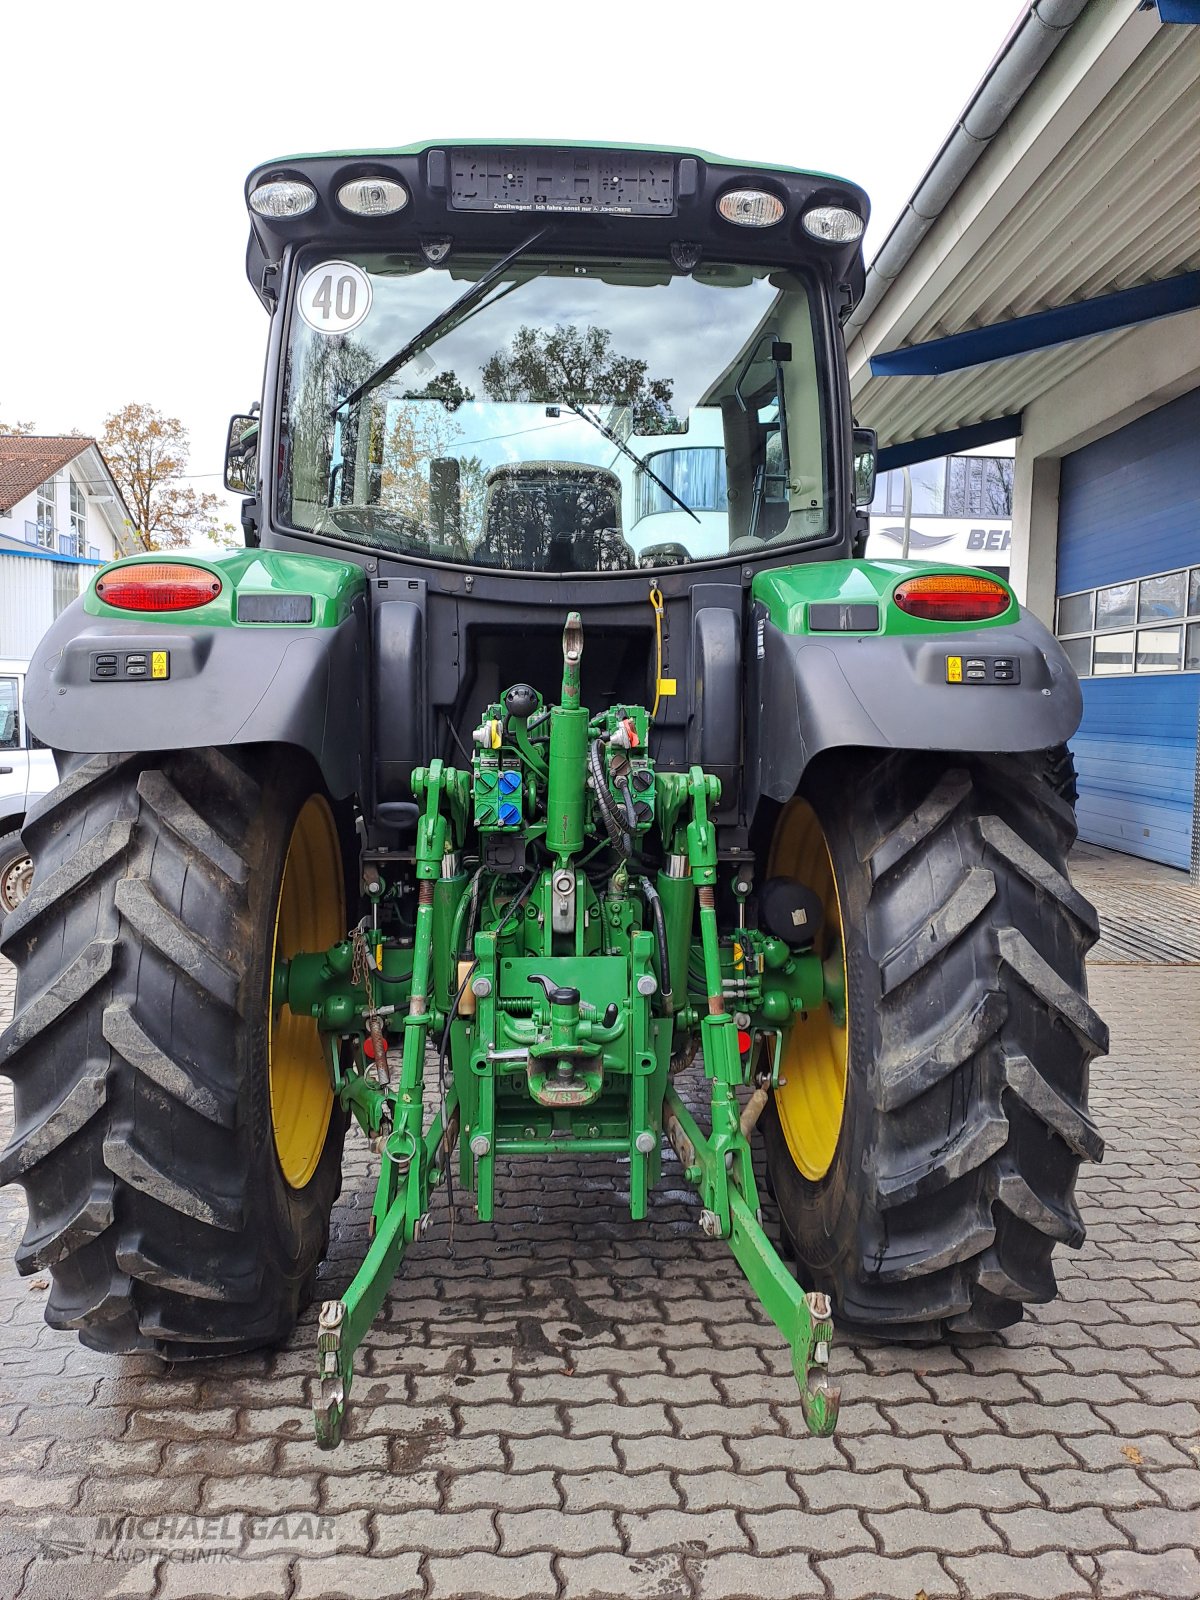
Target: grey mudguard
(227,685)
(882,692)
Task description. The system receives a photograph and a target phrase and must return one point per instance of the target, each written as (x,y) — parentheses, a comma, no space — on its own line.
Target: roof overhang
(1079,221)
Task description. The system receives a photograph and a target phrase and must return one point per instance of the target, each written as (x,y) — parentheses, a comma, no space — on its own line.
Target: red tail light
(158,587)
(952,597)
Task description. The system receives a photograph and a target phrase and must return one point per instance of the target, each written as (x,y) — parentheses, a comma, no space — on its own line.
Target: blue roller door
(1129,509)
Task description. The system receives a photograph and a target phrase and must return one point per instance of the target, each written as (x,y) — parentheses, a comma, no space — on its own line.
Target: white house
(61,517)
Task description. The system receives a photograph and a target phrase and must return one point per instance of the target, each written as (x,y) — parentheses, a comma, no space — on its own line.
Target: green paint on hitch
(555,986)
(333,585)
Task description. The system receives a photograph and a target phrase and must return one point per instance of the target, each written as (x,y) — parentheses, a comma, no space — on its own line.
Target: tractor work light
(751,208)
(283,197)
(155,587)
(952,597)
(372,197)
(833,224)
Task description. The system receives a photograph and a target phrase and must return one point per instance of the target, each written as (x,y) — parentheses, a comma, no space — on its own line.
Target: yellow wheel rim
(311,915)
(811,1098)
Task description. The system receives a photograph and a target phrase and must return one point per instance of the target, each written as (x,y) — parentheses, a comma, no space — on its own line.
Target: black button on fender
(1003,675)
(135,660)
(135,672)
(105,661)
(977,674)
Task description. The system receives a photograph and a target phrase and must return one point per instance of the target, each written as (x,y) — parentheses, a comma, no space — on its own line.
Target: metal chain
(360,964)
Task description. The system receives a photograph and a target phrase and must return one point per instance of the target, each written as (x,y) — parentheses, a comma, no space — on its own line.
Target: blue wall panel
(1130,503)
(1136,757)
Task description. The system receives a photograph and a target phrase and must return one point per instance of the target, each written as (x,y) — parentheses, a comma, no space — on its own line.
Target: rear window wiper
(465,302)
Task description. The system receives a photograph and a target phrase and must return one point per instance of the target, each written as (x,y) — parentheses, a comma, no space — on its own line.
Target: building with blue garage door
(1128,614)
(1043,286)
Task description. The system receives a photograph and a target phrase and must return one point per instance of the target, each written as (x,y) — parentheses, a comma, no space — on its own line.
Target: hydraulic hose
(614,821)
(660,934)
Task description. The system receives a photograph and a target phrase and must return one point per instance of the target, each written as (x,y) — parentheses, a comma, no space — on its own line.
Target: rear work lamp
(751,208)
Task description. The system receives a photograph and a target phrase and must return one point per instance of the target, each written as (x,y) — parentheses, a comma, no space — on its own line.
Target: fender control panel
(983,669)
(130,666)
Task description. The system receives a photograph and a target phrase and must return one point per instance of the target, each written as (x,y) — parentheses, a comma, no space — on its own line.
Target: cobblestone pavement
(576,1407)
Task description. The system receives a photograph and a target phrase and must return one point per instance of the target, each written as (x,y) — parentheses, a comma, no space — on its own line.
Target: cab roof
(484,195)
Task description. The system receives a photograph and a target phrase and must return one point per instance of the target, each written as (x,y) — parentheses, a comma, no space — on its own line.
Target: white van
(27,772)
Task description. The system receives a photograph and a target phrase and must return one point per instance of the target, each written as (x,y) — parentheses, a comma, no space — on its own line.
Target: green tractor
(549,776)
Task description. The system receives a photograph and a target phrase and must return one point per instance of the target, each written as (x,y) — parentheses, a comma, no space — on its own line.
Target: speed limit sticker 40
(334,297)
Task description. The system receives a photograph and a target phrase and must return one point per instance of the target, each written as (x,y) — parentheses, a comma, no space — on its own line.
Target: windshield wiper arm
(633,456)
(430,331)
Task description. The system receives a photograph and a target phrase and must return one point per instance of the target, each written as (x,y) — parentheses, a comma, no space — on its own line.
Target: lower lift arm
(583,1060)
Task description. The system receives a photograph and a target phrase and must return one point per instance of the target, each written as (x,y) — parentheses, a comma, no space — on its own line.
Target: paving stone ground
(577,1407)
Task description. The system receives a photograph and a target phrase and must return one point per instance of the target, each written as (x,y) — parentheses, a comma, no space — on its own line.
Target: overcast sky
(128,129)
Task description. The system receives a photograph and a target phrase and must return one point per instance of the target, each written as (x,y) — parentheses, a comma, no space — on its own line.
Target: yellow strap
(662,686)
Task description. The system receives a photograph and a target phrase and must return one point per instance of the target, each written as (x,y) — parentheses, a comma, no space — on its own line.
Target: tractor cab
(509,381)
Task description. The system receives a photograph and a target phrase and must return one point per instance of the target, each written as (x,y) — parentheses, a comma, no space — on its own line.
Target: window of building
(78,518)
(928,489)
(952,486)
(979,486)
(1076,613)
(1116,605)
(1103,632)
(47,514)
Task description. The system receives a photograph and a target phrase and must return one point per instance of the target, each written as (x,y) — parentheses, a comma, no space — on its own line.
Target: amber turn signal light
(952,597)
(155,587)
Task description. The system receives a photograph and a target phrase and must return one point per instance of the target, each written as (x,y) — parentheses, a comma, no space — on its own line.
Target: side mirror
(241,455)
(866,455)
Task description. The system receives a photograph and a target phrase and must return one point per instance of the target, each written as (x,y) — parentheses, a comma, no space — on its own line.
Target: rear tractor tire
(179,1147)
(924,1143)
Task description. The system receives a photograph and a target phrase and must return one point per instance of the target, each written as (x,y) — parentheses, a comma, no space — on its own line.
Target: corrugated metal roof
(1116,206)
